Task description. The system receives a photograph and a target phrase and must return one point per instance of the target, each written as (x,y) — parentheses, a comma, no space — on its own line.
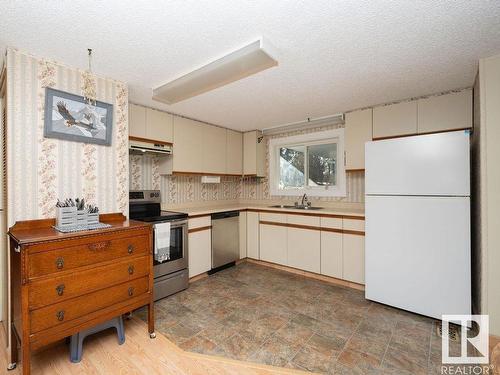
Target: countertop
(207,210)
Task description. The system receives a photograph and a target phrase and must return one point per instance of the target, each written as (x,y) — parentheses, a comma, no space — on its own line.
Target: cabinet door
(331,254)
(214,149)
(136,121)
(234,152)
(249,153)
(353,257)
(273,244)
(243,235)
(358,130)
(159,125)
(188,145)
(304,249)
(253,235)
(200,246)
(254,154)
(445,112)
(395,119)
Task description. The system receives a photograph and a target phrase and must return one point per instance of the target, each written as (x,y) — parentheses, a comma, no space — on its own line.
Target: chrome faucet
(304,199)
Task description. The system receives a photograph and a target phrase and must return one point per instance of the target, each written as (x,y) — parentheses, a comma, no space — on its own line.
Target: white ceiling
(333,55)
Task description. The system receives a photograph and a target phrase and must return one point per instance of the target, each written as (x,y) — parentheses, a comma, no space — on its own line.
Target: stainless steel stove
(170,276)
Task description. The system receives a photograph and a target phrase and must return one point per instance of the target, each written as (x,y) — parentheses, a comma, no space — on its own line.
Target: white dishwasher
(225,240)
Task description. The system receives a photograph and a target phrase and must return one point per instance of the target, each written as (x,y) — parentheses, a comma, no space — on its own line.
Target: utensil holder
(92,218)
(66,216)
(81,217)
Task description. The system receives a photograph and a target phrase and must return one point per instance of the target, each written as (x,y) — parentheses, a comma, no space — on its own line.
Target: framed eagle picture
(70,117)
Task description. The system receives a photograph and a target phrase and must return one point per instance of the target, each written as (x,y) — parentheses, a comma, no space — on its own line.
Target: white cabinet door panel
(200,256)
(358,131)
(395,119)
(353,258)
(253,235)
(234,152)
(136,121)
(243,235)
(445,112)
(331,254)
(273,244)
(304,249)
(159,125)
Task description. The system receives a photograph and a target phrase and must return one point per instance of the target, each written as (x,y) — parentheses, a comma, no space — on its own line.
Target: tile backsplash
(144,174)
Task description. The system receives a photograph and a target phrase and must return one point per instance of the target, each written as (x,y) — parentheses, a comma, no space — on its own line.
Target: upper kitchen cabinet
(188,145)
(234,152)
(445,112)
(150,124)
(358,130)
(159,126)
(254,154)
(214,149)
(395,120)
(136,121)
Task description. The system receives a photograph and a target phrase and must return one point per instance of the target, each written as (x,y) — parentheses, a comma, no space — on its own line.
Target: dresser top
(36,231)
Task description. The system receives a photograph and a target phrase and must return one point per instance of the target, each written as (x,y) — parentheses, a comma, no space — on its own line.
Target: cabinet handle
(130,291)
(60,315)
(60,289)
(130,270)
(59,263)
(99,245)
(130,248)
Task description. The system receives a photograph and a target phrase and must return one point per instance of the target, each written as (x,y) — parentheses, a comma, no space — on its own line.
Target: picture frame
(71,118)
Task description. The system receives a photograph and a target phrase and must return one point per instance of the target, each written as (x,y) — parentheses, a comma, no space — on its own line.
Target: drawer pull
(60,315)
(130,291)
(130,249)
(130,270)
(60,289)
(99,245)
(59,263)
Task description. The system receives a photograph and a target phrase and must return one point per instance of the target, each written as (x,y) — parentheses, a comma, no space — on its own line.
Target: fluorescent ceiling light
(306,124)
(239,64)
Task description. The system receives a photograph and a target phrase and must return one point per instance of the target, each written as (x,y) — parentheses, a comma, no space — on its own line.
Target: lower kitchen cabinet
(243,234)
(331,254)
(273,243)
(253,235)
(353,254)
(304,249)
(200,251)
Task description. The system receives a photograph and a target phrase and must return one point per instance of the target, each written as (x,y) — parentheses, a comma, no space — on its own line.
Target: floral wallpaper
(41,170)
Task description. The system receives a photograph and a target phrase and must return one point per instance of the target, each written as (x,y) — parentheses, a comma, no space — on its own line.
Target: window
(310,163)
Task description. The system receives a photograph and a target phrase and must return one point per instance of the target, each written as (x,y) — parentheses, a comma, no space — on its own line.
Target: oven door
(178,250)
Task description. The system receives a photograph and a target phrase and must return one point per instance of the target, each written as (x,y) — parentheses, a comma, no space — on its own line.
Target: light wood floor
(138,355)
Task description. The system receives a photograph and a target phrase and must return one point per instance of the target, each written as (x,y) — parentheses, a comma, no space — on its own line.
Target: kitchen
(323,237)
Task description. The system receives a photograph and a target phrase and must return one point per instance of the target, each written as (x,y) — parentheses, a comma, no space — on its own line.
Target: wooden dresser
(62,283)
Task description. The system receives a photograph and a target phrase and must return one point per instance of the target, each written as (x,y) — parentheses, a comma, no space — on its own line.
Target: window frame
(322,137)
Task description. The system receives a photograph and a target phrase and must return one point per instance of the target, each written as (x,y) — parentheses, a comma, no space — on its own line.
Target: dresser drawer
(60,288)
(92,252)
(53,315)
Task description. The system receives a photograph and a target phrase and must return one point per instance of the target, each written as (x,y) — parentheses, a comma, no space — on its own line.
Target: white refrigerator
(418,223)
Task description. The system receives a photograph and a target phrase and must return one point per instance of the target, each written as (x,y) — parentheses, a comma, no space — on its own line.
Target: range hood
(142,148)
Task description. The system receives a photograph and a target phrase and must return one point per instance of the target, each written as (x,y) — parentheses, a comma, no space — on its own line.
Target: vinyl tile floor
(259,314)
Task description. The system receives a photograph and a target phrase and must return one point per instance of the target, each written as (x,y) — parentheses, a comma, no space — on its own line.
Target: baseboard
(311,275)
